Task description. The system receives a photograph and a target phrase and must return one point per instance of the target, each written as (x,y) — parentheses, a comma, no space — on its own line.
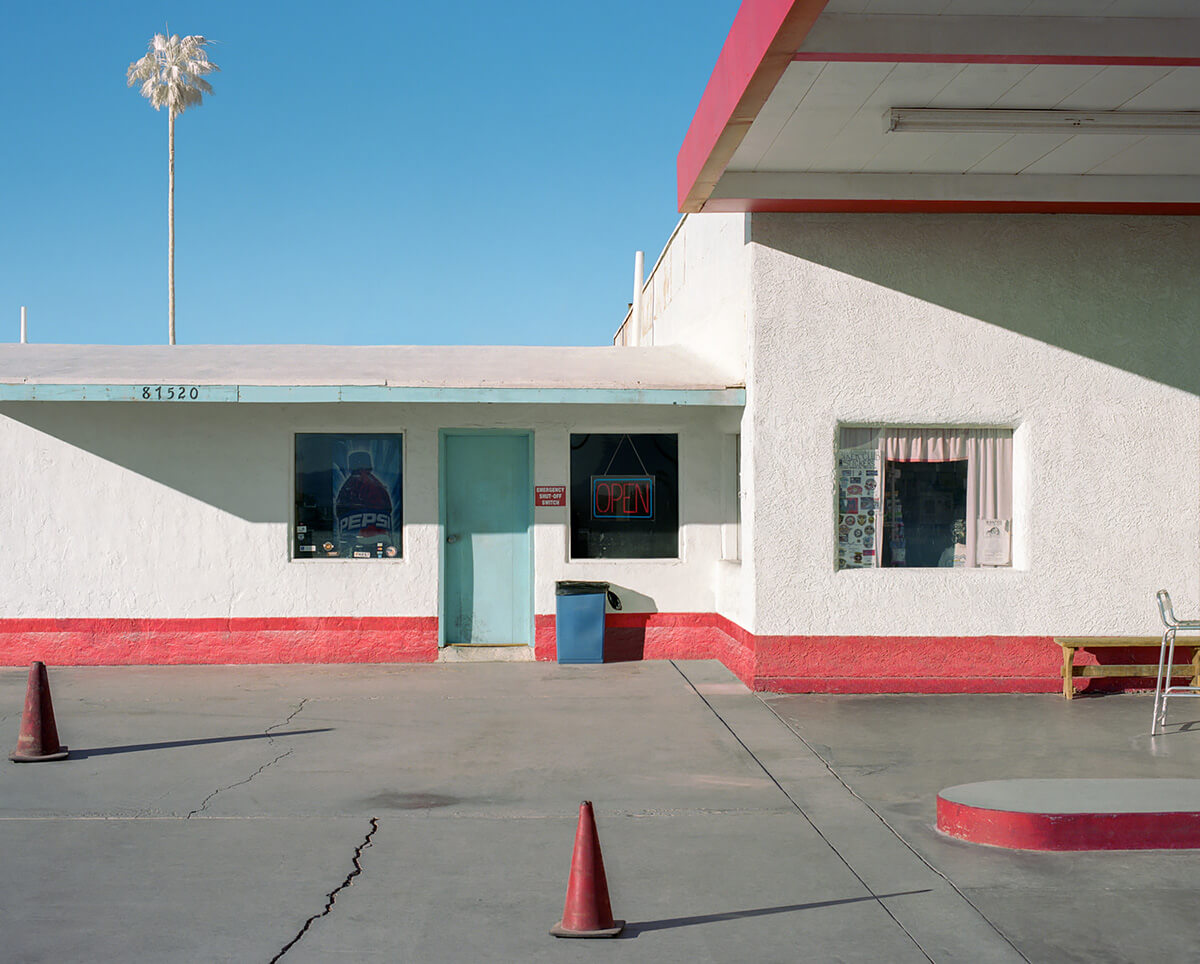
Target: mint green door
(486,523)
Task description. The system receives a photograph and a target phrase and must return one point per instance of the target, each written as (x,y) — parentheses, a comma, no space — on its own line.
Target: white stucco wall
(698,295)
(1080,332)
(169,511)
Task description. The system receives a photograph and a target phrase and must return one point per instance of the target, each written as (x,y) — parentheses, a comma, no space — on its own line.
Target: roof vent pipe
(635,313)
(23,339)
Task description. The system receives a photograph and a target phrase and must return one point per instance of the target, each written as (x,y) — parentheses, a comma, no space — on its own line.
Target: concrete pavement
(895,752)
(208,813)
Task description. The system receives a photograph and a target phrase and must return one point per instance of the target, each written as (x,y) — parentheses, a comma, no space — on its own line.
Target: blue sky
(389,173)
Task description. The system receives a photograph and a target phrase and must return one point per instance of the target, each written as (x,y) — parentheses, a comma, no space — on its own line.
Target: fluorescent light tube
(938,121)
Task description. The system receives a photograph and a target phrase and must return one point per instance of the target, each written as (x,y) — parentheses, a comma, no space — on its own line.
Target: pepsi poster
(348,496)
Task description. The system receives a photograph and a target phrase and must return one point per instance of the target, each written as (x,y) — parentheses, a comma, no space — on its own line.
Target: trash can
(579,620)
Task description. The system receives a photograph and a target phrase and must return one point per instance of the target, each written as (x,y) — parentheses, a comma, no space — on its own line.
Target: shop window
(348,497)
(924,522)
(922,498)
(624,496)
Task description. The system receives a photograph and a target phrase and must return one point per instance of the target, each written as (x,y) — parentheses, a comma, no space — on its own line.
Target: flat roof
(339,373)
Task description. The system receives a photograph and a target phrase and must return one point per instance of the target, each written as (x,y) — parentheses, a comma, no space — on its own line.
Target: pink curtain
(989,455)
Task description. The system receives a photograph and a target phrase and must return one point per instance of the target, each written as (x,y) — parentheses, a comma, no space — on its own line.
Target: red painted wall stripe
(914,684)
(913,657)
(847,57)
(760,44)
(782,664)
(1069,831)
(637,636)
(108,642)
(240,623)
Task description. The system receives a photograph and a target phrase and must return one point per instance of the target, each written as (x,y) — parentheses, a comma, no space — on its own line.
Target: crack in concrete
(331,897)
(204,803)
(270,740)
(295,713)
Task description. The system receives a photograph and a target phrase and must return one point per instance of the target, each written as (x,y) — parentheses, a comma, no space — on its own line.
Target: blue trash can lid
(569,587)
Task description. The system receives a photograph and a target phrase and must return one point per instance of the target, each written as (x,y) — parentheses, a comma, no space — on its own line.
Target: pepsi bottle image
(362,509)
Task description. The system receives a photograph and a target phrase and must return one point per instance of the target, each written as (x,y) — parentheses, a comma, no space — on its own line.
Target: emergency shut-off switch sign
(549,496)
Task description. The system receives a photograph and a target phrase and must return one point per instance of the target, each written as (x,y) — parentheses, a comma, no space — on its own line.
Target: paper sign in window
(993,542)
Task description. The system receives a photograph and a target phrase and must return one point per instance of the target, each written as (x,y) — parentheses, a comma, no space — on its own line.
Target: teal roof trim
(165,394)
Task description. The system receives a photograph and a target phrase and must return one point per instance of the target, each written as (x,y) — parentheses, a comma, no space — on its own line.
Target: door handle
(451,539)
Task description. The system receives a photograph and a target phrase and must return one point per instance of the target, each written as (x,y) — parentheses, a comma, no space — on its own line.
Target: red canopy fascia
(761,43)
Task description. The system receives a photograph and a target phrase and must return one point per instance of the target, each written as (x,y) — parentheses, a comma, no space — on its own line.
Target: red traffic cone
(38,741)
(587,912)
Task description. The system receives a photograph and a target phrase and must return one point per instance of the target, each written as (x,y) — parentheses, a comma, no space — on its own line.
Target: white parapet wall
(1081,333)
(697,293)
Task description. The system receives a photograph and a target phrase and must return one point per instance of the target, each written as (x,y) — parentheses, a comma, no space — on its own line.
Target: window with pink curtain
(945,497)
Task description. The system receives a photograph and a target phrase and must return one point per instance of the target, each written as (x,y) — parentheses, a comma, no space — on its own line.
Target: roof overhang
(181,375)
(796,114)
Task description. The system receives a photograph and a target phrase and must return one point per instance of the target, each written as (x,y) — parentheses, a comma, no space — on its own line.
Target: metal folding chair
(1166,660)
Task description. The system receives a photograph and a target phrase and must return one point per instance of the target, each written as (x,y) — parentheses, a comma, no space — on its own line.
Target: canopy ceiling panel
(804,121)
(830,117)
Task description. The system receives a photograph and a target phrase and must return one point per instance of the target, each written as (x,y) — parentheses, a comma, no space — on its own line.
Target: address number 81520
(170,393)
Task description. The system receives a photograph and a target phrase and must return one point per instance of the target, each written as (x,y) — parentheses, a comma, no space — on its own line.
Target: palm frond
(171,73)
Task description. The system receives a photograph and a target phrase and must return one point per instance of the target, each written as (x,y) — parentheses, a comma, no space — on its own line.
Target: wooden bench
(1071,672)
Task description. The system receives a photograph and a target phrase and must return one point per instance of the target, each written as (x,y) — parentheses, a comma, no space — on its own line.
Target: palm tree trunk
(171,227)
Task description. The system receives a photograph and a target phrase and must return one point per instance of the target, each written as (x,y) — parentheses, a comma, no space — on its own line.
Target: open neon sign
(622,497)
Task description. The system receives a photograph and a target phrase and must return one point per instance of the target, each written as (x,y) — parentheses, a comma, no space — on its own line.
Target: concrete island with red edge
(1120,814)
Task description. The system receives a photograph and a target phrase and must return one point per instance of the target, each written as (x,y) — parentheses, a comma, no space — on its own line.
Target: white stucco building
(910,390)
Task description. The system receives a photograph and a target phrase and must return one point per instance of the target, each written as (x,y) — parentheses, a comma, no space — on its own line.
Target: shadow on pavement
(173,744)
(633,928)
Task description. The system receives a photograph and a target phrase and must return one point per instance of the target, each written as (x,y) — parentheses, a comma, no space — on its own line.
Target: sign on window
(622,497)
(348,497)
(858,508)
(993,545)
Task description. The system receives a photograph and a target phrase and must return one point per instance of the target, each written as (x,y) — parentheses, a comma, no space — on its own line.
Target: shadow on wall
(632,601)
(238,457)
(216,453)
(625,632)
(1120,290)
(626,644)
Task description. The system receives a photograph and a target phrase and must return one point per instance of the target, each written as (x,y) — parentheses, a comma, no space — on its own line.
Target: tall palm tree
(172,75)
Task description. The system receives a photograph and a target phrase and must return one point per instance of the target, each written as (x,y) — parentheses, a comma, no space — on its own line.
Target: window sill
(674,560)
(927,569)
(357,562)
